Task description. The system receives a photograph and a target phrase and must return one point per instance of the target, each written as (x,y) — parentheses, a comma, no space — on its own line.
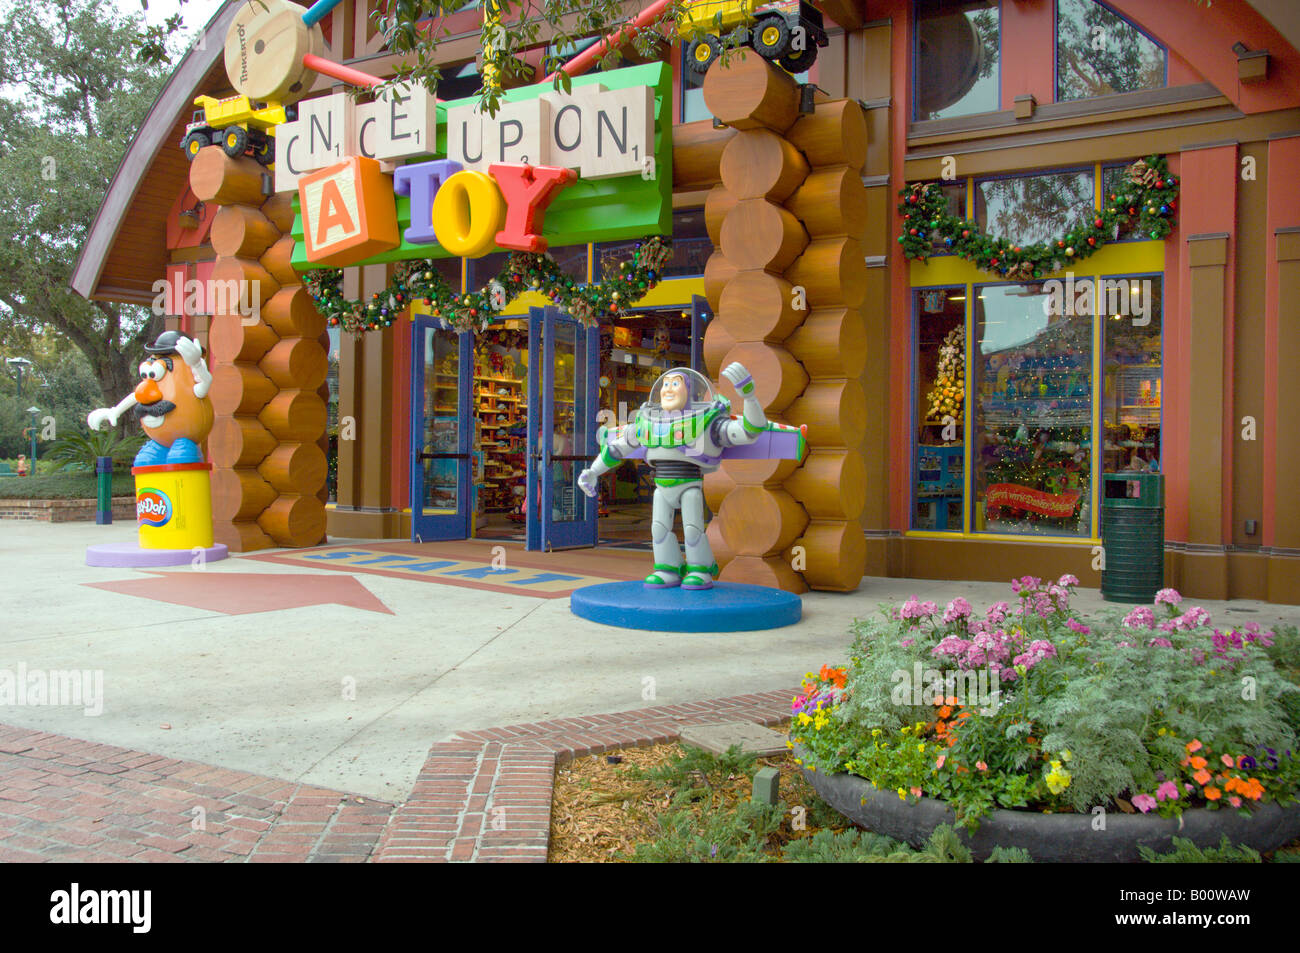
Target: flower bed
(1032,708)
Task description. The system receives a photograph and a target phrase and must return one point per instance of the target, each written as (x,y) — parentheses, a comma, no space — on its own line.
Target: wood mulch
(599,813)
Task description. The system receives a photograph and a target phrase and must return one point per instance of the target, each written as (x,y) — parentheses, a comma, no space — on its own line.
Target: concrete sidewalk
(349,699)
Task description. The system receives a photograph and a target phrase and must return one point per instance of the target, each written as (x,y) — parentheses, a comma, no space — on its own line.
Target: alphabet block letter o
(468,211)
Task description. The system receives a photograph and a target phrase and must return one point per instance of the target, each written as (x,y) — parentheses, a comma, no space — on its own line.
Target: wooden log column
(786,281)
(268,367)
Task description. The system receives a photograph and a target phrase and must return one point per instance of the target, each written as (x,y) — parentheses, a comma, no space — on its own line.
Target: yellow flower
(812,767)
(920,747)
(875,732)
(902,794)
(1065,755)
(804,718)
(1161,732)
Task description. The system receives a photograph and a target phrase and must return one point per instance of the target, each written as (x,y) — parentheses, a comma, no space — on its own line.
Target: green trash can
(1133,536)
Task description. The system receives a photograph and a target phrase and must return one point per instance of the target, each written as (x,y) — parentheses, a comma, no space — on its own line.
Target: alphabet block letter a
(348,212)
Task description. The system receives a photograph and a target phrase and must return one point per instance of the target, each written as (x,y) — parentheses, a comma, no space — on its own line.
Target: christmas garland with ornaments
(1146,200)
(418,281)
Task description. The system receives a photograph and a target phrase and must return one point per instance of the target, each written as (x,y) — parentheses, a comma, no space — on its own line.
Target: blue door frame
(427,526)
(560,515)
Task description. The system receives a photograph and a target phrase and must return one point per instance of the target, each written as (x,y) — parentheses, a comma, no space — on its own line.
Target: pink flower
(906,643)
(981,765)
(1068,580)
(1167,792)
(939,764)
(1077,627)
(1169,597)
(916,791)
(959,608)
(1144,802)
(1234,801)
(1163,643)
(1227,760)
(1141,616)
(1194,617)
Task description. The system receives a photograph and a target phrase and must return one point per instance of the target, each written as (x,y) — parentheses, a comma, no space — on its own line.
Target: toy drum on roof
(173,505)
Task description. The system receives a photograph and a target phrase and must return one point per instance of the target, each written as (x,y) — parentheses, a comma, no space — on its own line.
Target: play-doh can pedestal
(173,507)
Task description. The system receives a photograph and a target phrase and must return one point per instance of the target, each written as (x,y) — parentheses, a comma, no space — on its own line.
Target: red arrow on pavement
(239,593)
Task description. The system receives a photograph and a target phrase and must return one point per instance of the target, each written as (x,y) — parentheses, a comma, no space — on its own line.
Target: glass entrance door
(442,365)
(562,429)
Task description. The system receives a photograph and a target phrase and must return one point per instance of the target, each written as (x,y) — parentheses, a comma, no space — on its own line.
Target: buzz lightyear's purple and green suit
(683,445)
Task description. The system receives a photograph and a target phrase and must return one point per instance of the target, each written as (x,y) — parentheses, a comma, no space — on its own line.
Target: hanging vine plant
(418,281)
(1146,200)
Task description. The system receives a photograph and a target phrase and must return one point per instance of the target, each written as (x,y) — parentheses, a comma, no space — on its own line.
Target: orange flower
(1202,777)
(1194,745)
(945,712)
(963,716)
(1212,794)
(1198,763)
(951,700)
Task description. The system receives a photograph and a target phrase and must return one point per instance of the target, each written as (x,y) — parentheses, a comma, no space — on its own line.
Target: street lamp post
(19,364)
(35,412)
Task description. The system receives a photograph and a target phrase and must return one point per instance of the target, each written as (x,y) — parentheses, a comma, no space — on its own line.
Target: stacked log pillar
(786,281)
(268,367)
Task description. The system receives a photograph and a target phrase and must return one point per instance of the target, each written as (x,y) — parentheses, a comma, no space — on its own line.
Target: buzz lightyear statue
(683,431)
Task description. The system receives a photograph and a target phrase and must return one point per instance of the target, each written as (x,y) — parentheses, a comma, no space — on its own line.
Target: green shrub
(1185,852)
(79,451)
(62,486)
(736,835)
(1009,855)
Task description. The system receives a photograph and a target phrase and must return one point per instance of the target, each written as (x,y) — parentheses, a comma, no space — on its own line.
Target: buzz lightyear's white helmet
(701,391)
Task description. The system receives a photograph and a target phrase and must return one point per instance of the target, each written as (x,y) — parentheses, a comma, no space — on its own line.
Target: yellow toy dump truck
(788,34)
(237,124)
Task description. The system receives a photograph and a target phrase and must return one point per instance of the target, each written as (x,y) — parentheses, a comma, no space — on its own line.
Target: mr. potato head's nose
(148,392)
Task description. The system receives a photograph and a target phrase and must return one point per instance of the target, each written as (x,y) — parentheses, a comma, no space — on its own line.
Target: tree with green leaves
(72,95)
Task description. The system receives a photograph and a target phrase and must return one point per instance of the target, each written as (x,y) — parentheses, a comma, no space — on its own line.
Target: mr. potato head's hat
(165,344)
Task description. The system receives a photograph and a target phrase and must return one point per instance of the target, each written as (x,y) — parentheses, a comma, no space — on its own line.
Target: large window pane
(956,60)
(1132,397)
(1028,209)
(1098,52)
(1032,452)
(938,484)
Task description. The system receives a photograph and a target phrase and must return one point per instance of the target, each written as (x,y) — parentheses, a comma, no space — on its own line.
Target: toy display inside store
(634,353)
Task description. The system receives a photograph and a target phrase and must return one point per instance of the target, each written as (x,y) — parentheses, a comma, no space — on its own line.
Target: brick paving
(486,795)
(63,799)
(482,796)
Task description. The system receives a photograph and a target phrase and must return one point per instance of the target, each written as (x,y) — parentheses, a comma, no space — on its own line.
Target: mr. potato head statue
(171,402)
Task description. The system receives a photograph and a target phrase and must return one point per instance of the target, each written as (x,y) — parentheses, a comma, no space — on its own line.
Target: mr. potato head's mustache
(157,409)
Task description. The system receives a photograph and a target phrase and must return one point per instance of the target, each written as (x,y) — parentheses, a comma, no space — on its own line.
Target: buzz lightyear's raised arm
(752,421)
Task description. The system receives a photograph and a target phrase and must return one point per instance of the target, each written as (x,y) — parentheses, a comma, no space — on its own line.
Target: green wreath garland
(417,280)
(1146,200)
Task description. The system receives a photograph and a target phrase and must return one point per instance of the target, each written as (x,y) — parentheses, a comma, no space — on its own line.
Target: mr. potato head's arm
(192,354)
(109,415)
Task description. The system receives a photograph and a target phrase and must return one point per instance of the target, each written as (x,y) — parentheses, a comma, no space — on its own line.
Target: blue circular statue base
(727,607)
